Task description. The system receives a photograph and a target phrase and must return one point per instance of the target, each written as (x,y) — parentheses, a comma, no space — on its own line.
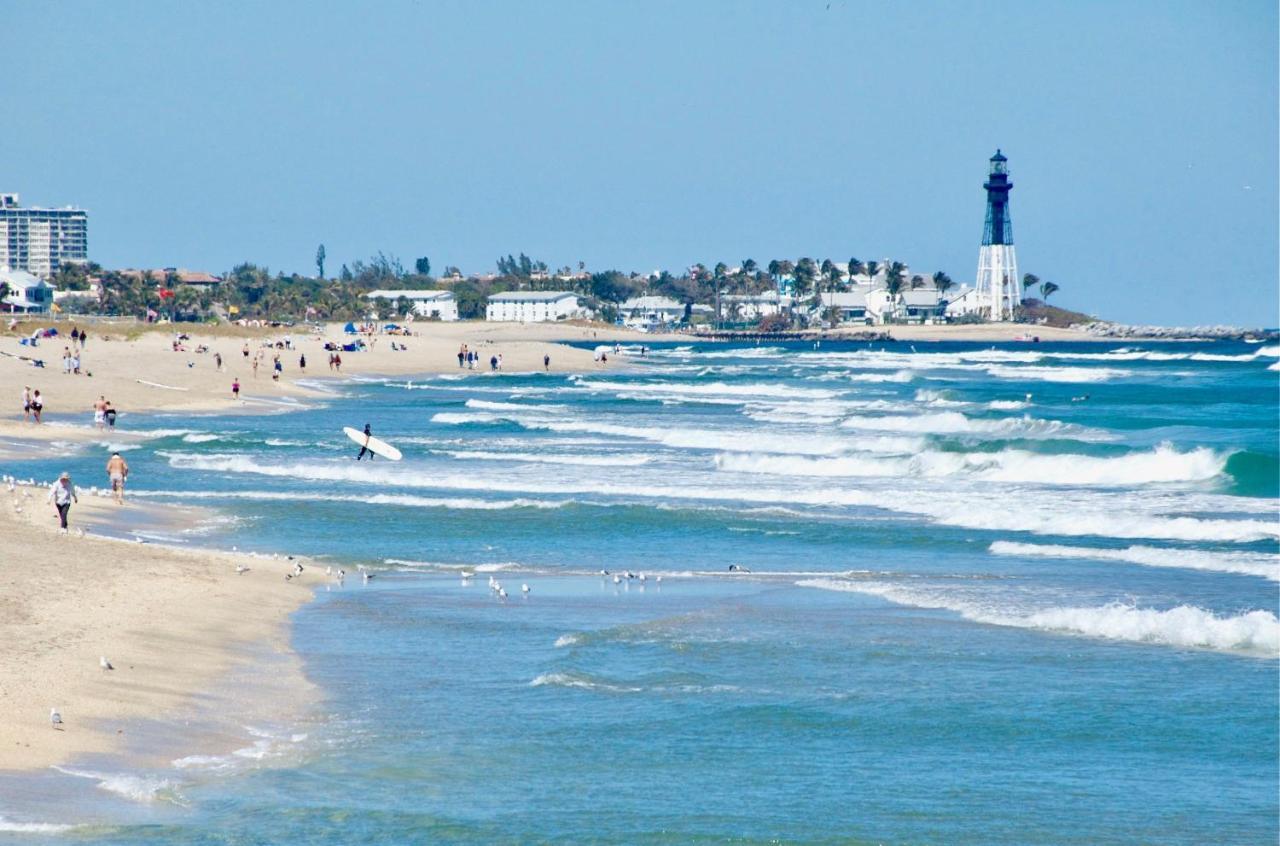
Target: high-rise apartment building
(39,241)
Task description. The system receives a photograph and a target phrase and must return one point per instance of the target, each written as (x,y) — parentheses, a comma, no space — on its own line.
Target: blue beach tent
(350,329)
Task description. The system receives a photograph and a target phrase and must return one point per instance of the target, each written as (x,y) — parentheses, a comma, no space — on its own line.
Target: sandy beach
(171,622)
(137,369)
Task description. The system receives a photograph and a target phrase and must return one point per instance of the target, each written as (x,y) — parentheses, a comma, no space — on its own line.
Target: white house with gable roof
(533,306)
(433,305)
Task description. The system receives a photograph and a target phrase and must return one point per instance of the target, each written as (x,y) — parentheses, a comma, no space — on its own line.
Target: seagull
(642,577)
(524,588)
(465,575)
(502,593)
(604,572)
(617,580)
(288,577)
(328,571)
(104,663)
(297,569)
(241,569)
(738,568)
(55,719)
(367,576)
(342,574)
(658,579)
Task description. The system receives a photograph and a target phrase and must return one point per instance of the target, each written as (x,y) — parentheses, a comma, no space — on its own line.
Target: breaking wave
(1254,632)
(1260,564)
(1163,464)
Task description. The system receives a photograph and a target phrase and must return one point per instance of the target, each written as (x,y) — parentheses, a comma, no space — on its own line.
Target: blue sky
(1142,136)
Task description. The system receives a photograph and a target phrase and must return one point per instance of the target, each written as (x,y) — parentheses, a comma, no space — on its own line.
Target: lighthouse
(998,286)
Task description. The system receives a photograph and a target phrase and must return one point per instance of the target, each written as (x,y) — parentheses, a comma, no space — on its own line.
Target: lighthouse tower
(998,285)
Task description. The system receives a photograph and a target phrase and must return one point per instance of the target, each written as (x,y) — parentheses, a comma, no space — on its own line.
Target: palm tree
(773,269)
(942,282)
(750,267)
(872,268)
(855,267)
(916,281)
(805,271)
(1030,280)
(1047,288)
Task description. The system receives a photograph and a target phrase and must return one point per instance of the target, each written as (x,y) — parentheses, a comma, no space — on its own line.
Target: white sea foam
(33,827)
(897,376)
(1058,374)
(552,458)
(574,680)
(1270,352)
(137,788)
(1254,632)
(511,406)
(713,389)
(1163,464)
(1261,564)
(200,437)
(956,423)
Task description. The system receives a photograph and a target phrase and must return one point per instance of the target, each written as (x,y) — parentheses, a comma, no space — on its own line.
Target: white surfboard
(382,448)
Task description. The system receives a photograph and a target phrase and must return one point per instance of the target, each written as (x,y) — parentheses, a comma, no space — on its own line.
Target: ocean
(836,593)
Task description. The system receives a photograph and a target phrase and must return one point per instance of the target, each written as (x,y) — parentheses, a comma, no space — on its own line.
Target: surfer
(368,433)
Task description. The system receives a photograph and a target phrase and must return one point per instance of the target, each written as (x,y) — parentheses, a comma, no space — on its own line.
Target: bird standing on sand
(241,569)
(55,719)
(104,663)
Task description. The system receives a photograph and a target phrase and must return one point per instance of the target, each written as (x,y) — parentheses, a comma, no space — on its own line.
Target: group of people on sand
(63,492)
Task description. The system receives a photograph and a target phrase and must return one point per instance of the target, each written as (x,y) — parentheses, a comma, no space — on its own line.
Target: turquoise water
(1012,594)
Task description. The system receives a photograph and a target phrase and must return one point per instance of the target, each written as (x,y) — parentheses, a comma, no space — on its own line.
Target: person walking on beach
(100,413)
(109,413)
(117,472)
(217,361)
(37,405)
(26,404)
(462,354)
(546,363)
(235,389)
(493,362)
(276,369)
(302,362)
(62,493)
(255,367)
(245,349)
(368,433)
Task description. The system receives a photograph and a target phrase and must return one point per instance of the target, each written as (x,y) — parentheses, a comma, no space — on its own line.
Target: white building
(26,292)
(533,306)
(644,313)
(966,301)
(40,240)
(852,306)
(749,307)
(433,305)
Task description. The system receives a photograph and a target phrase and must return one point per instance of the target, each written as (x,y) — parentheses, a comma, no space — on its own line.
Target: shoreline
(177,625)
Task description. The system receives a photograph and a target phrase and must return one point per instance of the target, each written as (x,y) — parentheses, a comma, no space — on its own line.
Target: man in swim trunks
(117,471)
(100,412)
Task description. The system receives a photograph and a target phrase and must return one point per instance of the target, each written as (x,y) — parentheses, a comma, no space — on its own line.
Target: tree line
(252,291)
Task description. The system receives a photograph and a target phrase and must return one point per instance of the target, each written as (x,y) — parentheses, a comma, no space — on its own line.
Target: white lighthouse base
(999,288)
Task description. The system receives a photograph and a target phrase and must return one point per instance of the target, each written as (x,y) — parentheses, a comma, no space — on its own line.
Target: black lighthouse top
(999,227)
